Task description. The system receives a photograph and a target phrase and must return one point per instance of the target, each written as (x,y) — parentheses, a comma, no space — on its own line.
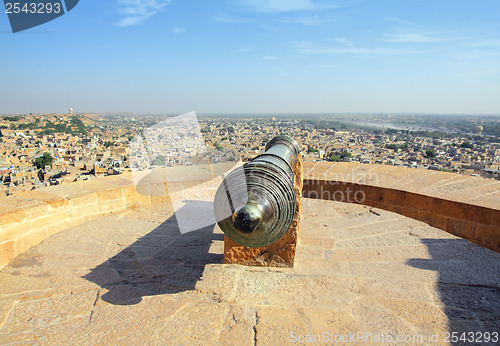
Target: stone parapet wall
(468,207)
(28,218)
(462,205)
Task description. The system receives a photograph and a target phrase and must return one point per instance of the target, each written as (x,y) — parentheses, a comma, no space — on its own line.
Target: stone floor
(361,274)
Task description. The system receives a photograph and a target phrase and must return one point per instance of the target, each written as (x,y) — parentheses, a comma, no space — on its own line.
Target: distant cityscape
(38,150)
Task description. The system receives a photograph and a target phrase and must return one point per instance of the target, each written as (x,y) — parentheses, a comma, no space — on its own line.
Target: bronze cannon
(256,203)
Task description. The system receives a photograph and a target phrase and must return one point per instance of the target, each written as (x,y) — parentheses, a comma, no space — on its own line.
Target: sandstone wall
(28,218)
(468,207)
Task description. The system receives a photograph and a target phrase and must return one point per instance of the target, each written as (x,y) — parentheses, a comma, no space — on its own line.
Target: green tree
(108,144)
(158,161)
(449,170)
(430,154)
(468,145)
(13,118)
(393,147)
(334,158)
(312,150)
(217,146)
(45,160)
(345,154)
(79,125)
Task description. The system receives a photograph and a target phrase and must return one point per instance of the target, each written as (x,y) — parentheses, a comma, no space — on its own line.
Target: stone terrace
(131,277)
(124,273)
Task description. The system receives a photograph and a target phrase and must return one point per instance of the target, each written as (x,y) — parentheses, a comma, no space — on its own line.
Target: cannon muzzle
(255,204)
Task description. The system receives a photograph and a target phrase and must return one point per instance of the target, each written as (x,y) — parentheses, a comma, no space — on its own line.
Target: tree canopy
(45,160)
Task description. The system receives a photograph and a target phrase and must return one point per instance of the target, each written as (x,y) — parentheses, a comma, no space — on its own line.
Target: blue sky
(211,56)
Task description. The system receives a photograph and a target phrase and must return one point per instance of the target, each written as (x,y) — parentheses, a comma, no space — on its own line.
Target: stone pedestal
(278,254)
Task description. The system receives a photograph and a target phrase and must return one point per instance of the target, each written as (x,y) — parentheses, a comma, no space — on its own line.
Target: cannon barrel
(255,204)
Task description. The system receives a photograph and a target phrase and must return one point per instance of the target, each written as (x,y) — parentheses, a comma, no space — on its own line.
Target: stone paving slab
(132,277)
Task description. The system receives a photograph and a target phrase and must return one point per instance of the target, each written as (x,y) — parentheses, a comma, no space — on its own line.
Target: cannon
(256,203)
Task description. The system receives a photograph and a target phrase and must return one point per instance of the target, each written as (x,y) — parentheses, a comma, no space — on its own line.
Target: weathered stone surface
(133,278)
(238,327)
(278,326)
(7,251)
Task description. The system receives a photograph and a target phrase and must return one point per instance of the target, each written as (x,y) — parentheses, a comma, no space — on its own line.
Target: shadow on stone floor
(162,262)
(468,286)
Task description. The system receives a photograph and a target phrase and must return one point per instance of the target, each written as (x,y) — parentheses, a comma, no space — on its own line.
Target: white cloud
(137,11)
(271,28)
(423,38)
(270,57)
(312,49)
(343,41)
(398,20)
(284,5)
(225,18)
(308,21)
(178,30)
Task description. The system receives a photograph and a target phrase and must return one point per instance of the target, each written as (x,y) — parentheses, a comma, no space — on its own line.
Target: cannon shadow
(162,262)
(468,285)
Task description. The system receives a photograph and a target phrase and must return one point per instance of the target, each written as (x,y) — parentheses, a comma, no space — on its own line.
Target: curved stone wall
(465,206)
(28,218)
(468,207)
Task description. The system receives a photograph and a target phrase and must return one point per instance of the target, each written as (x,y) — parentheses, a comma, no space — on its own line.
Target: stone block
(10,214)
(417,201)
(119,180)
(6,253)
(132,196)
(196,193)
(399,209)
(176,191)
(161,199)
(89,198)
(64,224)
(372,193)
(48,220)
(212,183)
(25,242)
(110,195)
(14,231)
(488,236)
(432,219)
(462,211)
(461,228)
(324,243)
(395,197)
(37,210)
(158,189)
(374,204)
(495,219)
(45,197)
(82,210)
(111,206)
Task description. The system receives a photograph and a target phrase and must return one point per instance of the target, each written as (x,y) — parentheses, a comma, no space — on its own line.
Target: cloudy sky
(175,56)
